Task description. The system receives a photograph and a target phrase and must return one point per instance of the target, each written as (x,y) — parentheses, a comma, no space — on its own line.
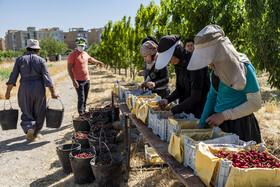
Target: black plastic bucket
(54,117)
(116,114)
(8,118)
(63,155)
(83,141)
(94,142)
(107,175)
(81,125)
(81,166)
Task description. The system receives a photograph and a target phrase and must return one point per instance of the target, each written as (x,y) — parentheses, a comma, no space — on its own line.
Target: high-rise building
(2,44)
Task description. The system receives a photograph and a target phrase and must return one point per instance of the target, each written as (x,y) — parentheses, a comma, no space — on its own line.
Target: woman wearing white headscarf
(234,93)
(157,80)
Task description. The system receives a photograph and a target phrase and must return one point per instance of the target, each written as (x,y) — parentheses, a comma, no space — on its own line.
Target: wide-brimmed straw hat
(211,46)
(166,49)
(33,44)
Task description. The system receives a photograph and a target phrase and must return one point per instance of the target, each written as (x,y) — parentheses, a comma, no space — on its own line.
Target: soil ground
(36,164)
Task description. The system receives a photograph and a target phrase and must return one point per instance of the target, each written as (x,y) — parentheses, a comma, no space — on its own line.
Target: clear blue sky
(65,14)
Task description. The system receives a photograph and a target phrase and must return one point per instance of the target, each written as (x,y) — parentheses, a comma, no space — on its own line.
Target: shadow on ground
(10,145)
(50,179)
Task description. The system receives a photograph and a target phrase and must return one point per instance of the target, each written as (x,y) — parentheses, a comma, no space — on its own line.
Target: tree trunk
(119,67)
(115,66)
(130,66)
(133,73)
(126,72)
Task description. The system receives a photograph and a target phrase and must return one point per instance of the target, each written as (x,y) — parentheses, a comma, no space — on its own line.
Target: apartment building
(10,40)
(73,33)
(42,33)
(94,36)
(2,44)
(17,39)
(57,34)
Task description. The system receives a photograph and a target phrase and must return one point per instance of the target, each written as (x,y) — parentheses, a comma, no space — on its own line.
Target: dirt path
(36,164)
(24,164)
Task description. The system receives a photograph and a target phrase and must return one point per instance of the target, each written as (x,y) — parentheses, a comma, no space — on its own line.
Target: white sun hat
(166,49)
(211,46)
(204,44)
(33,44)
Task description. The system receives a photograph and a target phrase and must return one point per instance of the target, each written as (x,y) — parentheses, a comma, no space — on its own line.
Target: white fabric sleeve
(253,103)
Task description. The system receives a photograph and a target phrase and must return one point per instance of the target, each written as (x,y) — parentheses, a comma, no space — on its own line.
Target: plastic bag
(176,147)
(142,113)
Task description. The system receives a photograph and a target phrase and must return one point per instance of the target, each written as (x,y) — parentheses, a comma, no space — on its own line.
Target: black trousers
(247,128)
(82,92)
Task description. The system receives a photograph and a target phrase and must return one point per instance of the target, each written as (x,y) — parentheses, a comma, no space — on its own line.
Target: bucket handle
(108,151)
(57,99)
(10,104)
(73,117)
(101,113)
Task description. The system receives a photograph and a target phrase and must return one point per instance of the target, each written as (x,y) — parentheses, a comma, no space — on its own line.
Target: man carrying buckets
(32,92)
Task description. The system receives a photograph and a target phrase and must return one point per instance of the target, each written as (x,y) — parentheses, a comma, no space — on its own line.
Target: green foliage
(9,55)
(92,50)
(253,26)
(43,53)
(5,74)
(53,47)
(264,25)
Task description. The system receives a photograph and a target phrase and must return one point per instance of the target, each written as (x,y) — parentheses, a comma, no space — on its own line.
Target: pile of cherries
(104,162)
(250,159)
(80,135)
(84,155)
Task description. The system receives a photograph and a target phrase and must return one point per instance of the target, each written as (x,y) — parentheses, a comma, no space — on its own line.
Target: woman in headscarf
(157,80)
(234,93)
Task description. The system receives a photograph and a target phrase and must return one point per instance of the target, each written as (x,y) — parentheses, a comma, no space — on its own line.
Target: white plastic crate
(169,131)
(152,157)
(152,119)
(223,172)
(121,93)
(179,117)
(162,127)
(190,147)
(137,92)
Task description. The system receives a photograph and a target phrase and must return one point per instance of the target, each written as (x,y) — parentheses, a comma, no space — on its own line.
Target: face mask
(80,48)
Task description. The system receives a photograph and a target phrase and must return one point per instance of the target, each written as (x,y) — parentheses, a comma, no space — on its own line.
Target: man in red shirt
(77,64)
